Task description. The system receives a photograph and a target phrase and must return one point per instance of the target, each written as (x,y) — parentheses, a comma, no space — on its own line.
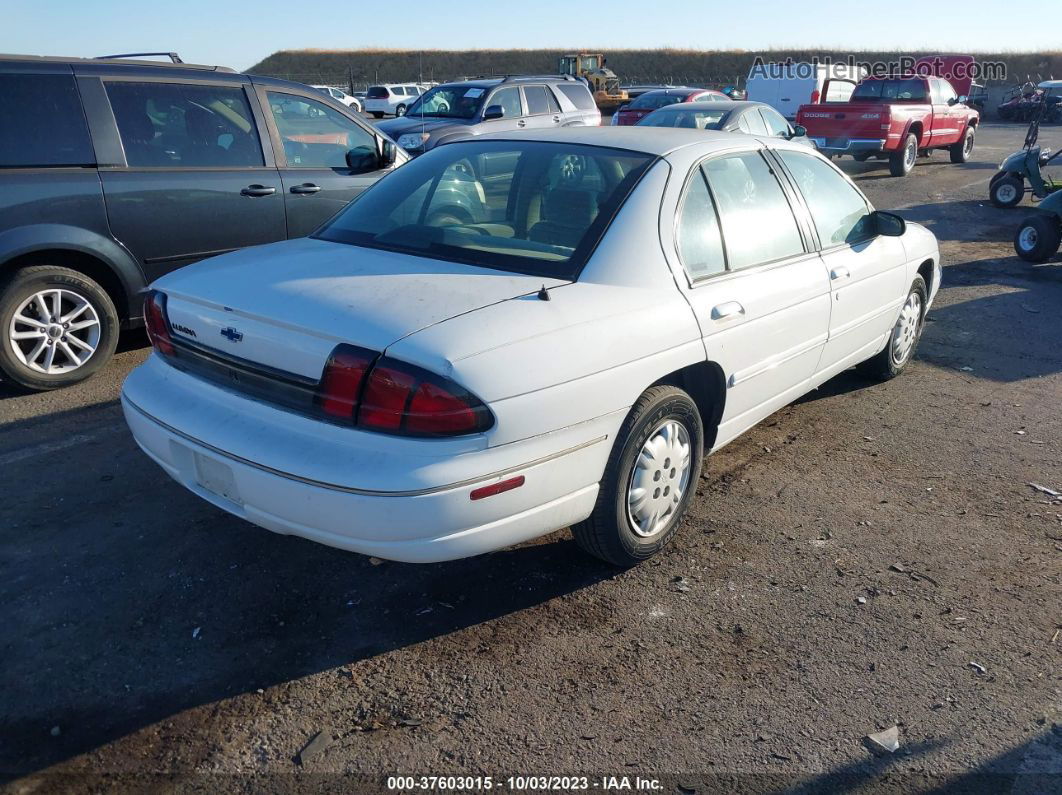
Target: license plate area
(216,477)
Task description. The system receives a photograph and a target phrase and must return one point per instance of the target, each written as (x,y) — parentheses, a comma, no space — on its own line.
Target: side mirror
(888,224)
(799,131)
(493,112)
(388,153)
(362,160)
(959,100)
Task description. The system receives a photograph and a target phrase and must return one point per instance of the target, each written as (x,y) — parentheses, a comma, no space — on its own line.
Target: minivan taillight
(158,324)
(389,396)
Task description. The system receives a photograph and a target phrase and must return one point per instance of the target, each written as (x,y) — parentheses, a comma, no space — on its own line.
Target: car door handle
(521,123)
(306,187)
(840,272)
(556,119)
(729,309)
(258,190)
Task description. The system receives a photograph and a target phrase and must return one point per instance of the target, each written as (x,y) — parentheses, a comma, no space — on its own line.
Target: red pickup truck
(895,118)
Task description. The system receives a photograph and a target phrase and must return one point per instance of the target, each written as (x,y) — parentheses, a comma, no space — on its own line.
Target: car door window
(536,100)
(840,213)
(697,236)
(315,135)
(51,129)
(757,221)
(509,99)
(947,93)
(184,125)
(776,125)
(551,100)
(751,123)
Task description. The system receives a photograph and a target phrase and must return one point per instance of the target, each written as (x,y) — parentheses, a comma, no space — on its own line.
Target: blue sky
(239,33)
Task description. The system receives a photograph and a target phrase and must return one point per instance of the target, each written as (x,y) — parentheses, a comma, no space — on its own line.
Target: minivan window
(315,135)
(840,213)
(185,126)
(548,205)
(758,223)
(579,95)
(43,123)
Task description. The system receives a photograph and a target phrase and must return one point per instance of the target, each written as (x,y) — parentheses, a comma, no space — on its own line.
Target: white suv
(391,99)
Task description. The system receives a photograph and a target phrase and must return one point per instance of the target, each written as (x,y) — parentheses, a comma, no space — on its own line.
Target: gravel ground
(871,556)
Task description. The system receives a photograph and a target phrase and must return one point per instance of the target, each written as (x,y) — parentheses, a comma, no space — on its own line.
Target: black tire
(400,111)
(609,532)
(888,364)
(377,114)
(1038,237)
(1006,191)
(961,150)
(19,287)
(903,159)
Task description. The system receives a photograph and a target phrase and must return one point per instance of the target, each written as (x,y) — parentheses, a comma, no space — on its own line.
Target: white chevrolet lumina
(512,335)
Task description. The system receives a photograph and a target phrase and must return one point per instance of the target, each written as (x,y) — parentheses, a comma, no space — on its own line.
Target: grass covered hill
(357,68)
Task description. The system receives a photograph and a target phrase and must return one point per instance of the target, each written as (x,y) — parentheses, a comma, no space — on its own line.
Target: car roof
(130,62)
(657,141)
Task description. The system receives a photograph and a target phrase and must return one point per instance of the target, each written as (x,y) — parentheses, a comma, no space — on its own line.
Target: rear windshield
(377,92)
(654,100)
(689,119)
(579,95)
(524,206)
(899,89)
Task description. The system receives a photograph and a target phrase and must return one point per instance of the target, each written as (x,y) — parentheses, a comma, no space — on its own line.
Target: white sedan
(512,335)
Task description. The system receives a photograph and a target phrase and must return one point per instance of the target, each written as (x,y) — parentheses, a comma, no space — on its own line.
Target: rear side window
(757,221)
(42,122)
(554,107)
(697,232)
(579,95)
(179,125)
(536,100)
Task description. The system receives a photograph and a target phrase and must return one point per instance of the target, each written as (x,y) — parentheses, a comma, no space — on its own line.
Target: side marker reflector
(496,488)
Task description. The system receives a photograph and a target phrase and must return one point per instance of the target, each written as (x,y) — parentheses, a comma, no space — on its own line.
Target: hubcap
(659,479)
(968,145)
(54,331)
(912,155)
(1027,238)
(1006,193)
(906,331)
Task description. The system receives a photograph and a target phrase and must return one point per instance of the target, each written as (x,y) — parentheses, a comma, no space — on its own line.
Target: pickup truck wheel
(59,327)
(1038,237)
(651,476)
(903,159)
(1006,191)
(961,150)
(903,340)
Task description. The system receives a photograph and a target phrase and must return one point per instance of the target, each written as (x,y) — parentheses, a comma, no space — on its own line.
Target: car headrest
(570,207)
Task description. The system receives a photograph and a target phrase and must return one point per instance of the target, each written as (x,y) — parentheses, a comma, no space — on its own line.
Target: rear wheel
(1006,191)
(651,475)
(400,110)
(961,150)
(59,327)
(903,340)
(1038,237)
(903,159)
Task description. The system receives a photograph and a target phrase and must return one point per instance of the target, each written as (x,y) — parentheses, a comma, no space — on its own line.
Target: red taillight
(340,386)
(158,325)
(403,399)
(815,96)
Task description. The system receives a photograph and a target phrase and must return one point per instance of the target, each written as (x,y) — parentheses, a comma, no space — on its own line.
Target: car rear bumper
(847,146)
(432,520)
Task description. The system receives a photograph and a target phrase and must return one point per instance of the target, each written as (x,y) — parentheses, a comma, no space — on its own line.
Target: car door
(953,114)
(196,178)
(759,291)
(866,270)
(508,99)
(311,140)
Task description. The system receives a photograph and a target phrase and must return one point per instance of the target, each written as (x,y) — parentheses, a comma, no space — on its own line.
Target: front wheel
(400,110)
(59,327)
(903,340)
(651,476)
(903,159)
(1006,190)
(1038,237)
(961,150)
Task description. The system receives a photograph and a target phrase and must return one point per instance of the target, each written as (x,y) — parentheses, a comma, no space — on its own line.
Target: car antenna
(543,293)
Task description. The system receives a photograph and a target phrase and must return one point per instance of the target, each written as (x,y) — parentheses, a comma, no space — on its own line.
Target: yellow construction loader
(602,81)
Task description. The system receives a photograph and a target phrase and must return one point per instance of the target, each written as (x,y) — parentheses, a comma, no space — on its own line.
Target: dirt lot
(871,555)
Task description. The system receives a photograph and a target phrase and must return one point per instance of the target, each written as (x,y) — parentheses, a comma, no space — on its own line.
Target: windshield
(654,100)
(449,102)
(525,206)
(689,119)
(892,89)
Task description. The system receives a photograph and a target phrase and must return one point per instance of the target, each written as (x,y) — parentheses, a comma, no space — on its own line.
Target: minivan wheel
(903,159)
(400,110)
(903,340)
(59,327)
(1038,237)
(651,476)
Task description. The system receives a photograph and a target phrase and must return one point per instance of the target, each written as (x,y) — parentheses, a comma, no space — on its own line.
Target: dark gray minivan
(115,171)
